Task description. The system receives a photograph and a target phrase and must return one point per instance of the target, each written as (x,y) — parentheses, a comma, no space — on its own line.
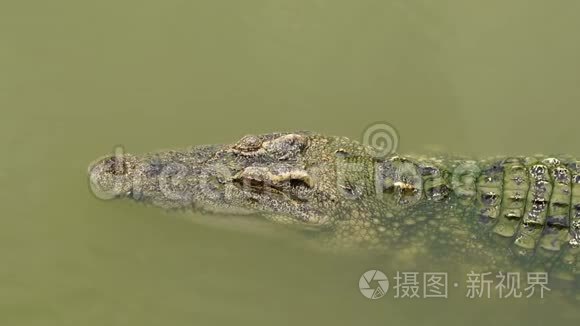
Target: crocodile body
(499,212)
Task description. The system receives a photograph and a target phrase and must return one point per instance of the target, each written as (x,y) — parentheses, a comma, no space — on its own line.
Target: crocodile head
(286,177)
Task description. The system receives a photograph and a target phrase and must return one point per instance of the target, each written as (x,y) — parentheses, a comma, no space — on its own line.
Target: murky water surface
(78,78)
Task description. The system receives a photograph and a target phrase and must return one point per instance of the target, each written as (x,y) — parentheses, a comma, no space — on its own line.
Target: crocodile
(501,212)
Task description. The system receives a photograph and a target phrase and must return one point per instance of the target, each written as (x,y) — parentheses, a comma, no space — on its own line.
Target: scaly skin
(496,214)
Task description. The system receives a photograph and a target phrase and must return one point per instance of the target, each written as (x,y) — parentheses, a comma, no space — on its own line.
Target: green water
(79,77)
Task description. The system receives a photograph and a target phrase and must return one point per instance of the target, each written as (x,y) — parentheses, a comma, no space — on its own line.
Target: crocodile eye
(285,147)
(283,181)
(282,148)
(248,143)
(298,183)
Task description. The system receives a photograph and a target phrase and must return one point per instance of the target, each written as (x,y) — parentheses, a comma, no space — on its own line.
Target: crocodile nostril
(115,165)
